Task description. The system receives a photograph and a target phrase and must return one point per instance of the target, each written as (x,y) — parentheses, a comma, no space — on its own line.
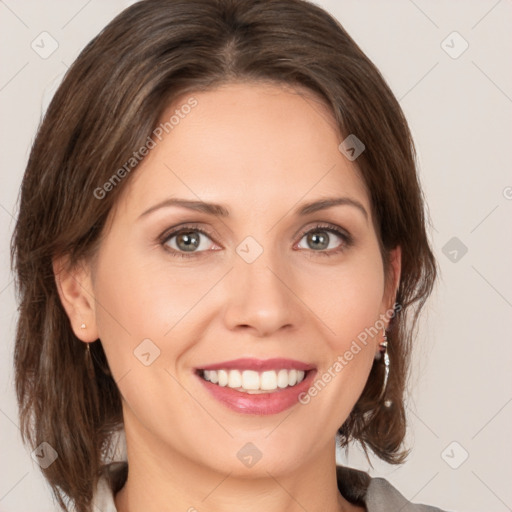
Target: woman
(220,254)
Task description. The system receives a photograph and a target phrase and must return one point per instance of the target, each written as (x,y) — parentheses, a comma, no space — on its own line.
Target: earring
(82,326)
(385,357)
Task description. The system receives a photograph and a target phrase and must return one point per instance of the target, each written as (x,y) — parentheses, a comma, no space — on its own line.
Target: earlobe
(74,286)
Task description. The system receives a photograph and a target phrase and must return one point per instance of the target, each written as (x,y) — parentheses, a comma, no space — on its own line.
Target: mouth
(254,386)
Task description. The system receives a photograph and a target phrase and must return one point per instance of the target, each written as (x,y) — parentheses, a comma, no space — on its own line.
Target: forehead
(250,146)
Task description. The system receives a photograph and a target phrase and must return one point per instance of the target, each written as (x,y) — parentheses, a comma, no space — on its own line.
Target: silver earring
(385,357)
(82,326)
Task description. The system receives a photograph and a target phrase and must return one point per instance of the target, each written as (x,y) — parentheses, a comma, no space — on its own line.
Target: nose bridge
(260,289)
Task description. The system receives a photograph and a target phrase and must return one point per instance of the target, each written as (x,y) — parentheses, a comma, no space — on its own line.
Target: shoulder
(381,492)
(376,494)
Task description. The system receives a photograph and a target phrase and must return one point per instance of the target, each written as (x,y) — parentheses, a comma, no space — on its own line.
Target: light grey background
(459,108)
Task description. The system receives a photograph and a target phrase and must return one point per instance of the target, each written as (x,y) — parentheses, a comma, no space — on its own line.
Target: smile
(254,386)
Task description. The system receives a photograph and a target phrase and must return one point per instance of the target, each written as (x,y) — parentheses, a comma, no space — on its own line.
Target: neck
(162,479)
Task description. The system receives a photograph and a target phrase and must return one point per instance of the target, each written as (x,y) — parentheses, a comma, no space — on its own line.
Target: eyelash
(330,228)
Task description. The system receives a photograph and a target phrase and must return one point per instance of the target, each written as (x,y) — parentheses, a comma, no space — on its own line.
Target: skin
(260,150)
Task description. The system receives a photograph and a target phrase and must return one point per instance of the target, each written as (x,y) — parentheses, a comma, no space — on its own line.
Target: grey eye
(188,241)
(320,239)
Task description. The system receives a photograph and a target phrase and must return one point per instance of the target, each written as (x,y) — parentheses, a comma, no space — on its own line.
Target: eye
(186,242)
(190,241)
(321,240)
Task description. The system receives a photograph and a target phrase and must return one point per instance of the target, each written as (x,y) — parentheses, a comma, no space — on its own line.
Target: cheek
(346,298)
(141,298)
(348,301)
(138,306)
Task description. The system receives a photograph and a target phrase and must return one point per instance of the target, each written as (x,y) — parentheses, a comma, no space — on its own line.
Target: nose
(260,296)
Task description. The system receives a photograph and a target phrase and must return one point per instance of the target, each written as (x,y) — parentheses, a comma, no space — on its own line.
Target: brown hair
(108,104)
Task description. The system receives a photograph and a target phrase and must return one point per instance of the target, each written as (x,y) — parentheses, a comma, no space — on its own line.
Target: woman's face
(178,290)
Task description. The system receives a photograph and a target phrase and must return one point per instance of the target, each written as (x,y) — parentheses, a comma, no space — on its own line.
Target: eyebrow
(222,211)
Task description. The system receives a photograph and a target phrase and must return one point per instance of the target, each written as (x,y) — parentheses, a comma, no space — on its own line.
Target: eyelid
(327,226)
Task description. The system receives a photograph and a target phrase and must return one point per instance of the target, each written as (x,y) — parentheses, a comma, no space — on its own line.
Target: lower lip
(261,404)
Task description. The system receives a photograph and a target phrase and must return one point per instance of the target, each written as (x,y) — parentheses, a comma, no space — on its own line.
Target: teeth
(223,377)
(254,382)
(234,379)
(282,378)
(250,380)
(268,380)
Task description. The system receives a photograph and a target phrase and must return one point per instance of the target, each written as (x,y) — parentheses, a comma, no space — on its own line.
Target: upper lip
(247,363)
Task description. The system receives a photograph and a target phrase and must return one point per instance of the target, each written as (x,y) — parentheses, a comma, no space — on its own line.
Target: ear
(395,264)
(392,281)
(74,285)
